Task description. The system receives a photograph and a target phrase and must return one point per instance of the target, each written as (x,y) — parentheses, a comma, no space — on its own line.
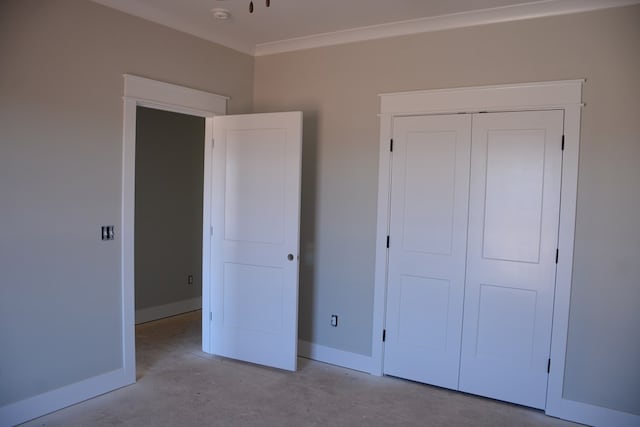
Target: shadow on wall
(308,292)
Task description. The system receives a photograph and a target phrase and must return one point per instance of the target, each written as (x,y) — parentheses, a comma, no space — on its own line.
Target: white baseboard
(45,403)
(592,415)
(345,359)
(166,310)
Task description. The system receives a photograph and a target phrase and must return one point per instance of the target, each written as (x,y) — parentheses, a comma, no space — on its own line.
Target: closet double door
(472,257)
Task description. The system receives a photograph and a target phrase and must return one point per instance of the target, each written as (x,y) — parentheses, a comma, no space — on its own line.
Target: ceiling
(298,24)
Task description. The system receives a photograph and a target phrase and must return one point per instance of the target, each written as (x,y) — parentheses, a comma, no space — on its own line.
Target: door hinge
(384,335)
(210,315)
(549,365)
(211,231)
(557,255)
(388,242)
(562,142)
(391,145)
(213,142)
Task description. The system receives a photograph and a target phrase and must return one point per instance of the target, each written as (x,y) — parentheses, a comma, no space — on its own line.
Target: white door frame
(558,95)
(139,91)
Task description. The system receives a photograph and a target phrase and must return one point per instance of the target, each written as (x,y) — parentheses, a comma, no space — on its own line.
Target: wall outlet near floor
(334,320)
(190,279)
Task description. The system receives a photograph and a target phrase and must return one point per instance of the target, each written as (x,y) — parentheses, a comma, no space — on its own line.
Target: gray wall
(168,218)
(60,174)
(337,88)
(61,87)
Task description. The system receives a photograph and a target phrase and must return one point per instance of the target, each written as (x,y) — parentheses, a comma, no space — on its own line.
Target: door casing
(557,95)
(140,91)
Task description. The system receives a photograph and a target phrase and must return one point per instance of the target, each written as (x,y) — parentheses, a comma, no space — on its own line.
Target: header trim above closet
(508,97)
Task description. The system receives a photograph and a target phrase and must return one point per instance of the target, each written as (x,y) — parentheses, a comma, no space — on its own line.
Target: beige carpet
(178,385)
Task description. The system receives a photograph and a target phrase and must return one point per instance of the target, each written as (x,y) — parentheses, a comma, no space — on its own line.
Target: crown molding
(537,9)
(443,22)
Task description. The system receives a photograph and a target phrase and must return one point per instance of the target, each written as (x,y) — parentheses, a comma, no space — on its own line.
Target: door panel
(430,182)
(513,208)
(505,323)
(423,301)
(428,202)
(513,227)
(256,221)
(255,165)
(252,297)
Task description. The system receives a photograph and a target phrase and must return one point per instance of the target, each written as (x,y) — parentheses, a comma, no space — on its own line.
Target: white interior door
(428,234)
(511,255)
(255,240)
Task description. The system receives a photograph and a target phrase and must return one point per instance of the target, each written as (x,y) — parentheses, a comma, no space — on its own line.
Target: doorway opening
(157,102)
(168,213)
(168,217)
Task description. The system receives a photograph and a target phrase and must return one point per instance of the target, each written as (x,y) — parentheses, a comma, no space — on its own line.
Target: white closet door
(428,230)
(513,229)
(256,222)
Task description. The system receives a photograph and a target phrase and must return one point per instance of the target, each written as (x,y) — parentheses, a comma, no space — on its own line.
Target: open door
(256,172)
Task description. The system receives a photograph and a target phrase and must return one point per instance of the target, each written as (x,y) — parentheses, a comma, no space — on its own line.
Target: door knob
(290,257)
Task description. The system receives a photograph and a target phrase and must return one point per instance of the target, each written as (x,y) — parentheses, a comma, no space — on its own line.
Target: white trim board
(332,356)
(527,96)
(591,415)
(437,23)
(33,407)
(170,97)
(166,310)
(140,91)
(564,95)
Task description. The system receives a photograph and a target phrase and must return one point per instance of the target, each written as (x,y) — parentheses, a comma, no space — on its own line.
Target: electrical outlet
(334,320)
(190,279)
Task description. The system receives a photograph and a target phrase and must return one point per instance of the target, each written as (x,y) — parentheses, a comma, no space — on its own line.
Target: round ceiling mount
(222,14)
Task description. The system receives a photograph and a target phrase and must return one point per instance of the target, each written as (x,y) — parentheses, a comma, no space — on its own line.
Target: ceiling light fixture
(221,14)
(267,3)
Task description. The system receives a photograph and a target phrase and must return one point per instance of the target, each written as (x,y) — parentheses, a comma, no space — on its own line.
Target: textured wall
(61,87)
(337,88)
